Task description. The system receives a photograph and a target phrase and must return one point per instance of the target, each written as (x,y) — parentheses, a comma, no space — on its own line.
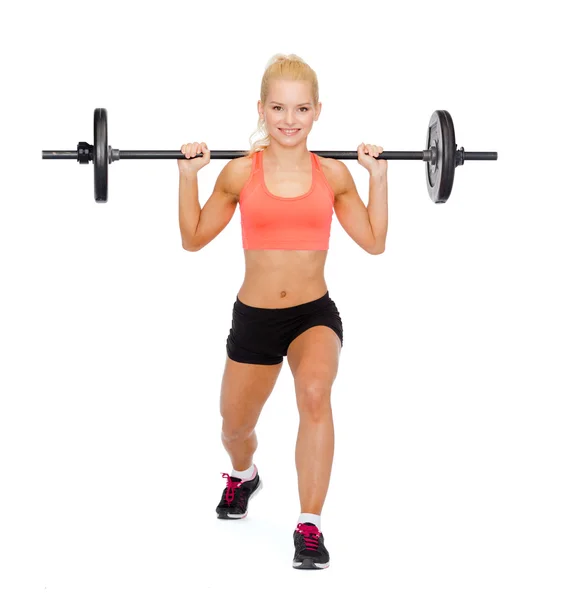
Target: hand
(193,166)
(365,154)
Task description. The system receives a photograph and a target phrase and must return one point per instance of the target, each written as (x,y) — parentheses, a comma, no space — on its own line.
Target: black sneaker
(235,497)
(310,552)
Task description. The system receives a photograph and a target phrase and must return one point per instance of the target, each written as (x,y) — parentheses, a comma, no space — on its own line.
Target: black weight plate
(439,175)
(101,157)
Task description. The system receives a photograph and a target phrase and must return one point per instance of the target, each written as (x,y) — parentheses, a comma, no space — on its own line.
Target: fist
(190,162)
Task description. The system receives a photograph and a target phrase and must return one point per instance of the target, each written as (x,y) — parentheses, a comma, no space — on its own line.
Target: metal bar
(60,154)
(479,155)
(230,154)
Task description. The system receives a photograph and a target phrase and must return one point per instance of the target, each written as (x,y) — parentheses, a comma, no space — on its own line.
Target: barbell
(441,155)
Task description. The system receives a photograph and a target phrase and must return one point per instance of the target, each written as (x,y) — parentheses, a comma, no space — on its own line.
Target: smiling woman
(287,197)
(283,68)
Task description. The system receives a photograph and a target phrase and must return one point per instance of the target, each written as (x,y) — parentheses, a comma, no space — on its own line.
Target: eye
(302,108)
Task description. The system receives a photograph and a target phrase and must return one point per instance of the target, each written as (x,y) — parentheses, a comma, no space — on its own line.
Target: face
(289,106)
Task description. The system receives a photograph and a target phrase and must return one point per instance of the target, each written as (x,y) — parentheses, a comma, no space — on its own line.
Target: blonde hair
(281,66)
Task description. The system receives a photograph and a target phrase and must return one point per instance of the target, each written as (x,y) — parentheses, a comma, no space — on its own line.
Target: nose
(290,118)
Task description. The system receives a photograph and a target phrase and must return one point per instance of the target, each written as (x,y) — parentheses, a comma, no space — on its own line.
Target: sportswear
(274,222)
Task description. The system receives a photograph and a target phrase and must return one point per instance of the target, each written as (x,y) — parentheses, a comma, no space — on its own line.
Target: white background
(453,474)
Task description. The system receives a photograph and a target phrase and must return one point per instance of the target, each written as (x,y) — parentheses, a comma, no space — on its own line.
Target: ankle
(310,518)
(248,473)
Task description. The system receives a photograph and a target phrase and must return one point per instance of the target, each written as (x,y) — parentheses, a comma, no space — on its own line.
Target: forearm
(377,208)
(189,207)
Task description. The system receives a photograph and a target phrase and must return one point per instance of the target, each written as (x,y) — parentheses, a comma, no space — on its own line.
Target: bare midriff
(283,278)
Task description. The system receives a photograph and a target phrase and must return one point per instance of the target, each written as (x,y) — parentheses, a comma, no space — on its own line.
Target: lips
(288,131)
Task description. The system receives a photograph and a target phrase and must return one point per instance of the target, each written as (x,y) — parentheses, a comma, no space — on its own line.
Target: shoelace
(310,535)
(231,488)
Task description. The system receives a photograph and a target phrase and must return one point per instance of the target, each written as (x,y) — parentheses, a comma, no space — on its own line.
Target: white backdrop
(453,474)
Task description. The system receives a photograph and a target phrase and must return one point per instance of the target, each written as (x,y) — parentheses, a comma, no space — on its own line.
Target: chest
(288,184)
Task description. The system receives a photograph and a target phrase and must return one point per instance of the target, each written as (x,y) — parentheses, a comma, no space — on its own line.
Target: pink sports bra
(272,222)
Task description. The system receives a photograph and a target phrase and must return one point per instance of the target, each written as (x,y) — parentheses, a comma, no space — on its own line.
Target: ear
(260,109)
(318,111)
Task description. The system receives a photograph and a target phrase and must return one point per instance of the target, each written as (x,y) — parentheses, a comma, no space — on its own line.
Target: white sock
(247,474)
(310,518)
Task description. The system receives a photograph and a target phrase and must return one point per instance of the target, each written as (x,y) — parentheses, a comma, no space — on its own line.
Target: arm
(367,226)
(199,226)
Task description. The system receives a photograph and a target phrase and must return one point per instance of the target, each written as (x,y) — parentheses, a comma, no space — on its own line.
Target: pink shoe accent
(310,535)
(231,488)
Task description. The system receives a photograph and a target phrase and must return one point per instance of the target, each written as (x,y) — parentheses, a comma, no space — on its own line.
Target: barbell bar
(441,155)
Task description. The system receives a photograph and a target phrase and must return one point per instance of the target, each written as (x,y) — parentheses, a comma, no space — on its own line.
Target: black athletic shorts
(262,335)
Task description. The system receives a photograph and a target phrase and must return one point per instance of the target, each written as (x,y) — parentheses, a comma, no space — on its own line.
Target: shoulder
(235,175)
(337,174)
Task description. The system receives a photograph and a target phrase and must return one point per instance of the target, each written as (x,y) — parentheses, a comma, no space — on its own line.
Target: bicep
(350,210)
(218,211)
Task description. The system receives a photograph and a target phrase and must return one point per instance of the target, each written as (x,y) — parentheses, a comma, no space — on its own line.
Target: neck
(294,158)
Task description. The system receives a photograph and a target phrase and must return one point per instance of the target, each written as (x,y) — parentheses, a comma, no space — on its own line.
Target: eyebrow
(304,104)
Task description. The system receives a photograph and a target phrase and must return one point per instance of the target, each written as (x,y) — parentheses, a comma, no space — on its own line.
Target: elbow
(377,244)
(377,249)
(189,247)
(189,239)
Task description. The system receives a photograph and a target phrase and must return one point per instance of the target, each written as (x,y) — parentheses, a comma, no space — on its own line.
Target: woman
(287,196)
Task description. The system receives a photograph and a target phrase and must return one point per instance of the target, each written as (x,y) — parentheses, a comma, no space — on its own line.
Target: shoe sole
(308,563)
(244,515)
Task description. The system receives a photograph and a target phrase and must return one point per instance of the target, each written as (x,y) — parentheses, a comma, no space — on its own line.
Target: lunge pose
(287,196)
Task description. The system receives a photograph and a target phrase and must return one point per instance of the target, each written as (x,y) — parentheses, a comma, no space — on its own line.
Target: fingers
(192,149)
(370,149)
(188,150)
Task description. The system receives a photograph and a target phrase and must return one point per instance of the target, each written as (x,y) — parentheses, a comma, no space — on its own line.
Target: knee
(313,399)
(235,432)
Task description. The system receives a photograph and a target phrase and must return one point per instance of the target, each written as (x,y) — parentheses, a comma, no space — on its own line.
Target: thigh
(244,391)
(255,336)
(316,344)
(313,358)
